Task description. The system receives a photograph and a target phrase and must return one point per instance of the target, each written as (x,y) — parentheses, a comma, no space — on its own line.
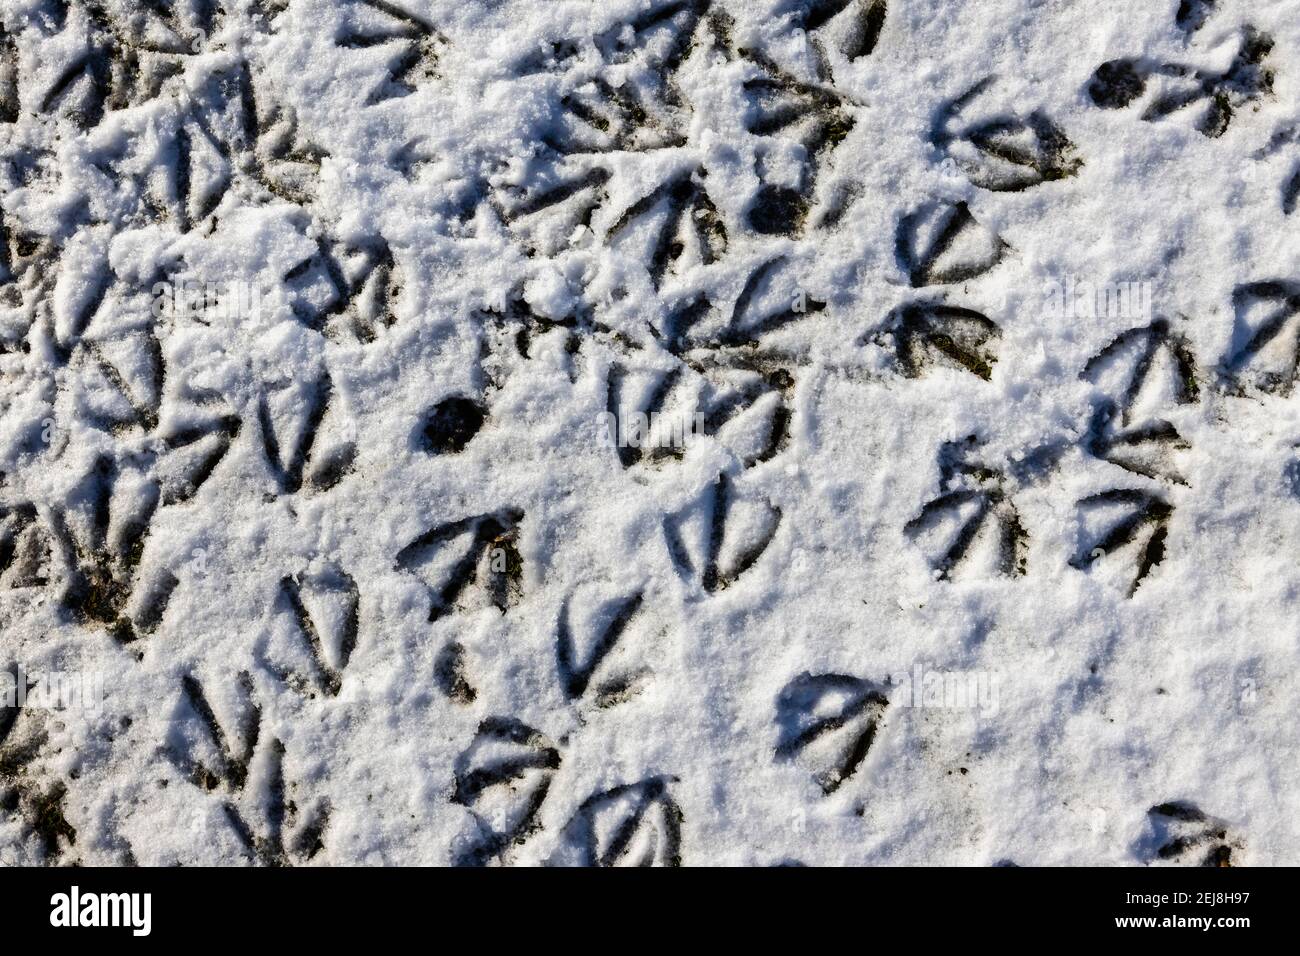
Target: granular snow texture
(649,431)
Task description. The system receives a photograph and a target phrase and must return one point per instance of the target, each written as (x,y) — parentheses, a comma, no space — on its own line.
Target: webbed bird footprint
(813,117)
(1183,833)
(1124,520)
(684,227)
(303,451)
(941,243)
(634,824)
(546,216)
(1143,374)
(1219,94)
(602,642)
(351,291)
(324,607)
(1003,153)
(716,540)
(248,773)
(973,526)
(828,722)
(502,778)
(469,563)
(853,25)
(100,538)
(410,46)
(922,334)
(1266,338)
(655,415)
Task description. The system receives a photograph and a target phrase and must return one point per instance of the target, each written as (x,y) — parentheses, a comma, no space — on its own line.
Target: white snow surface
(1109,700)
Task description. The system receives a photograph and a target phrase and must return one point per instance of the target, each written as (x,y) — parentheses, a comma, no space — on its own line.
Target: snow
(878,358)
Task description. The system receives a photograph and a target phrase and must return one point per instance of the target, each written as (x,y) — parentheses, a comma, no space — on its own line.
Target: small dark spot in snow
(451,425)
(1116,84)
(777,211)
